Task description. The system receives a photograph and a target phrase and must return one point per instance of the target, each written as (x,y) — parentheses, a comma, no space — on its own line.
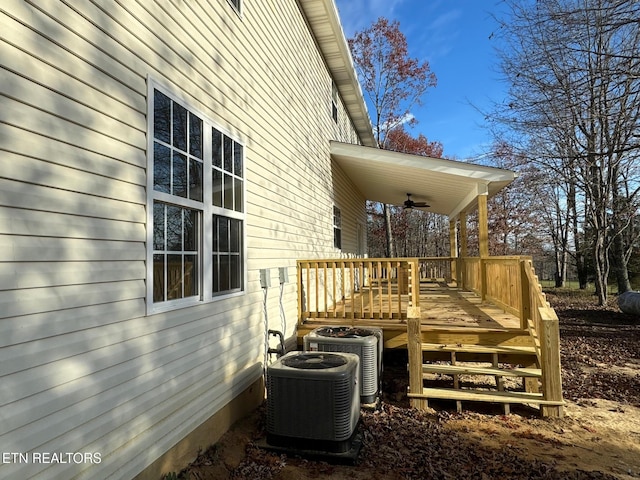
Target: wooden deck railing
(362,288)
(544,327)
(511,283)
(435,268)
(498,280)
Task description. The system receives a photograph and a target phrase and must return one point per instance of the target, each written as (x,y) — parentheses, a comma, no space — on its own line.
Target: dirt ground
(599,437)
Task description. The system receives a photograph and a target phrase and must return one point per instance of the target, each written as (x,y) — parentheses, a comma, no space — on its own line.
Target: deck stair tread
(475,395)
(520,349)
(461,369)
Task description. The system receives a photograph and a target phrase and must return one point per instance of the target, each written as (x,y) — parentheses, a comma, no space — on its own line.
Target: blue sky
(454,37)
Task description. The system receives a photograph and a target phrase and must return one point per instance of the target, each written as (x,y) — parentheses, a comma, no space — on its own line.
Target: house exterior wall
(83,367)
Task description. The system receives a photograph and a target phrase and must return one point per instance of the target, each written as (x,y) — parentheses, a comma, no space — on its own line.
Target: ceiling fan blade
(409,204)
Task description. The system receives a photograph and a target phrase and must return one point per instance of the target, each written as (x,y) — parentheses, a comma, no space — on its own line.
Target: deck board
(442,306)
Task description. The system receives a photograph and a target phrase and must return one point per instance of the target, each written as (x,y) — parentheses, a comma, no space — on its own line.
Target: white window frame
(206,208)
(337,226)
(334,101)
(237,6)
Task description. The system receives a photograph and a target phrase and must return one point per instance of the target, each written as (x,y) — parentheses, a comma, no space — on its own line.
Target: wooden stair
(486,361)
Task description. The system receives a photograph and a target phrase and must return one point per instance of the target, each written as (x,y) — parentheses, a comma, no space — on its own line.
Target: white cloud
(401,121)
(356,15)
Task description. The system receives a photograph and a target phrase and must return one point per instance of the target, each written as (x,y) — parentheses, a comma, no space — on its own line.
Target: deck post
(414,347)
(483,239)
(462,271)
(483,226)
(463,234)
(525,295)
(551,375)
(453,243)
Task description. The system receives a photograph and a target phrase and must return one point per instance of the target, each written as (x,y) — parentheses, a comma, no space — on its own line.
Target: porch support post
(463,234)
(483,240)
(453,244)
(463,249)
(483,225)
(414,347)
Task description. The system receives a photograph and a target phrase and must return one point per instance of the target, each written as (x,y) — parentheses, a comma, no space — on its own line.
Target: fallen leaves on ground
(600,352)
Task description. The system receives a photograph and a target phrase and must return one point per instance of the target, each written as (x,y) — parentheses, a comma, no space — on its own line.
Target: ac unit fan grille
(344,332)
(313,361)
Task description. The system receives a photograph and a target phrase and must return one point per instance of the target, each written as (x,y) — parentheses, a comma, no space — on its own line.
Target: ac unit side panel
(366,351)
(367,343)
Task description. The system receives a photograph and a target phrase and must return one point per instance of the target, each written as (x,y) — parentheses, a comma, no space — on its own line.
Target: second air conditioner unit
(366,342)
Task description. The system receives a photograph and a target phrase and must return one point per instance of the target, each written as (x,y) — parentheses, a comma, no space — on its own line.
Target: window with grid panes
(337,228)
(197,207)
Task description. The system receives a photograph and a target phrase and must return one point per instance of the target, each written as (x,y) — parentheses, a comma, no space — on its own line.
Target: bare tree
(575,95)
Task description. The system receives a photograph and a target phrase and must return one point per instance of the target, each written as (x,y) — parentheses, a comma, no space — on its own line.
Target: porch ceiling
(448,186)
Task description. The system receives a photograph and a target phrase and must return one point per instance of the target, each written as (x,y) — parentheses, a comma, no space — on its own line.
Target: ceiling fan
(409,204)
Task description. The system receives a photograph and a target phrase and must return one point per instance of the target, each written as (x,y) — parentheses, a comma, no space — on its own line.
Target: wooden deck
(489,310)
(443,307)
(446,305)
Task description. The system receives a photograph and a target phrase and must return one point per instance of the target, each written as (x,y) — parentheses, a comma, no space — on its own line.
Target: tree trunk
(619,259)
(391,246)
(581,269)
(619,265)
(601,264)
(561,267)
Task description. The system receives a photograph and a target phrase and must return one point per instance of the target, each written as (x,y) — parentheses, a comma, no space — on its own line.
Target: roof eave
(324,22)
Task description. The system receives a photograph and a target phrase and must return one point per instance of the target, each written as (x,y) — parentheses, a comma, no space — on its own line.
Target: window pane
(174,277)
(215,234)
(161,117)
(216,147)
(158,226)
(224,273)
(234,236)
(190,275)
(195,180)
(237,159)
(236,274)
(216,178)
(190,230)
(228,191)
(158,278)
(174,228)
(228,154)
(337,217)
(161,168)
(237,192)
(215,265)
(179,127)
(195,136)
(179,175)
(223,234)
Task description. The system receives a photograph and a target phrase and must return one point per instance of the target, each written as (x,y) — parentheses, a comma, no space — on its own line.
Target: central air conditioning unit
(313,401)
(366,342)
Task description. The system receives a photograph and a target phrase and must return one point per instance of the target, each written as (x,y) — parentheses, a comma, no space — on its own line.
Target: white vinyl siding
(83,365)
